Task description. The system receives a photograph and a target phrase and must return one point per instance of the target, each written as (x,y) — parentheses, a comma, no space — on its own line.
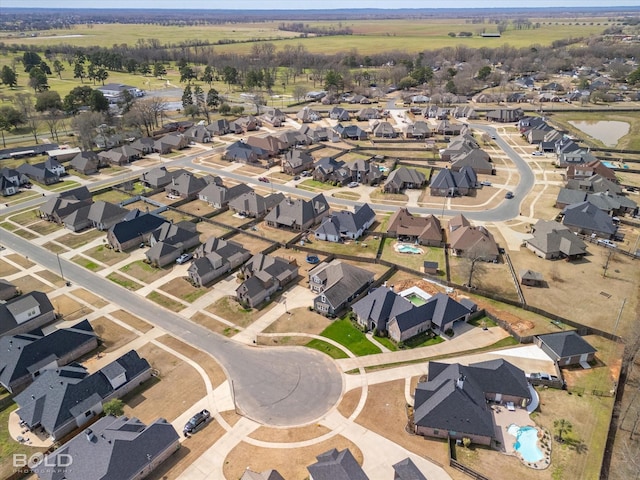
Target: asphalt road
(275,386)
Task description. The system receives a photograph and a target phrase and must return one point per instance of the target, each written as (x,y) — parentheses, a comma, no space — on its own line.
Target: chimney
(89,434)
(460,382)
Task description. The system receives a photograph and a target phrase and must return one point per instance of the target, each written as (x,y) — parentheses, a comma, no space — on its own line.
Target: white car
(537,153)
(184,258)
(353,185)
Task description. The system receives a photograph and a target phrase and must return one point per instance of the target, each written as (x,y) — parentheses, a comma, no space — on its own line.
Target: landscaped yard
(366,246)
(143,271)
(345,333)
(415,261)
(111,196)
(180,287)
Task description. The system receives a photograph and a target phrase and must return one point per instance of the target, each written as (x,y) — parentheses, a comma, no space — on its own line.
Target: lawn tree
(10,118)
(207,75)
(201,102)
(474,263)
(86,127)
(78,97)
(224,109)
(258,101)
(333,81)
(25,105)
(101,74)
(58,67)
(91,72)
(158,105)
(98,102)
(30,59)
(609,256)
(38,80)
(9,76)
(144,69)
(187,74)
(50,104)
(563,428)
(78,71)
(299,92)
(213,98)
(114,407)
(230,76)
(140,116)
(126,101)
(159,70)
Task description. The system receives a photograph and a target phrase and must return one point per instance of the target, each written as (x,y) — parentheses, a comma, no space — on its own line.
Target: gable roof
(407,470)
(15,306)
(130,229)
(112,449)
(341,280)
(550,237)
(336,465)
(25,353)
(587,215)
(403,175)
(346,222)
(475,240)
(291,212)
(402,223)
(567,344)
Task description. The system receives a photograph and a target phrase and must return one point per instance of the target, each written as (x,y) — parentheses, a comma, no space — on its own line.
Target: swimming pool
(526,442)
(416,299)
(383,169)
(408,249)
(611,165)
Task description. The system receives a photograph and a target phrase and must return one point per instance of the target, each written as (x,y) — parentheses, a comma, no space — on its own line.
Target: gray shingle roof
(588,216)
(112,449)
(336,465)
(341,280)
(567,344)
(407,470)
(18,304)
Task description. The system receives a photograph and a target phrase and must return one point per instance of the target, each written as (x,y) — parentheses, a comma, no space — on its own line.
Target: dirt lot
(28,284)
(490,277)
(7,269)
(214,325)
(113,336)
(208,230)
(197,207)
(181,288)
(51,277)
(89,298)
(543,199)
(132,320)
(300,320)
(254,245)
(260,459)
(44,227)
(144,272)
(176,389)
(578,291)
(106,255)
(208,363)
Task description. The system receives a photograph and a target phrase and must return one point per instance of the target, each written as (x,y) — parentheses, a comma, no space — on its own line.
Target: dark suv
(196,422)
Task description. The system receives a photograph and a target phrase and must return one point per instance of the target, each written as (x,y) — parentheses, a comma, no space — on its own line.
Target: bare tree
(85,125)
(25,105)
(474,263)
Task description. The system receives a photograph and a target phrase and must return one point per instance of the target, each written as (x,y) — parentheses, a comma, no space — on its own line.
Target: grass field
(345,333)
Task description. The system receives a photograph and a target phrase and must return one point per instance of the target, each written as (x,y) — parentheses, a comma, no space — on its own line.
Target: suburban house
(249,474)
(214,258)
(337,283)
(264,275)
(251,204)
(219,127)
(459,145)
(340,114)
(25,356)
(586,170)
(587,219)
(170,142)
(594,184)
(273,116)
(270,144)
(505,115)
(473,242)
(136,228)
(402,178)
(407,470)
(26,313)
(336,465)
(296,161)
(531,278)
(160,177)
(198,133)
(10,181)
(56,208)
(345,224)
(298,214)
(294,138)
(98,453)
(61,400)
(170,240)
(86,162)
(307,115)
(423,230)
(103,215)
(242,153)
(566,348)
(364,171)
(477,159)
(7,290)
(144,145)
(351,131)
(219,196)
(390,313)
(115,92)
(417,130)
(367,113)
(330,170)
(120,155)
(613,204)
(46,172)
(244,124)
(383,129)
(186,186)
(455,401)
(553,240)
(449,183)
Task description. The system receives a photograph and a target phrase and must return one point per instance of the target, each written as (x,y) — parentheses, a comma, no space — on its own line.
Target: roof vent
(89,434)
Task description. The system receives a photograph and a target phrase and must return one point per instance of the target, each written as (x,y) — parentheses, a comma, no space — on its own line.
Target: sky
(297,4)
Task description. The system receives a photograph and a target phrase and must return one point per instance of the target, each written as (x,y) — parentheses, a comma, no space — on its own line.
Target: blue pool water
(383,169)
(408,249)
(526,442)
(611,165)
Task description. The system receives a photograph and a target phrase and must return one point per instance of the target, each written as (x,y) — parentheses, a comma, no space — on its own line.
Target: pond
(607,131)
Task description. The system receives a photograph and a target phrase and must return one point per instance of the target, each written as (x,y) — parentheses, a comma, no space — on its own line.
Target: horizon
(284,5)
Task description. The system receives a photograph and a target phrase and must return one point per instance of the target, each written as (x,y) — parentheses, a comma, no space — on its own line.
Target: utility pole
(67,283)
(615,327)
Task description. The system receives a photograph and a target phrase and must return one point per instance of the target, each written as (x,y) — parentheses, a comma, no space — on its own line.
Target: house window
(436,431)
(88,413)
(323,299)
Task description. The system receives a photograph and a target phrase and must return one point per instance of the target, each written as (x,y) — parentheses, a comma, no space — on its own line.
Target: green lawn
(483,322)
(324,347)
(124,281)
(387,342)
(414,261)
(86,263)
(60,186)
(316,185)
(345,333)
(423,340)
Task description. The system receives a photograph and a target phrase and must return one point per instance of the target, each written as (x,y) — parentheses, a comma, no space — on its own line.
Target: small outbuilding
(567,348)
(531,278)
